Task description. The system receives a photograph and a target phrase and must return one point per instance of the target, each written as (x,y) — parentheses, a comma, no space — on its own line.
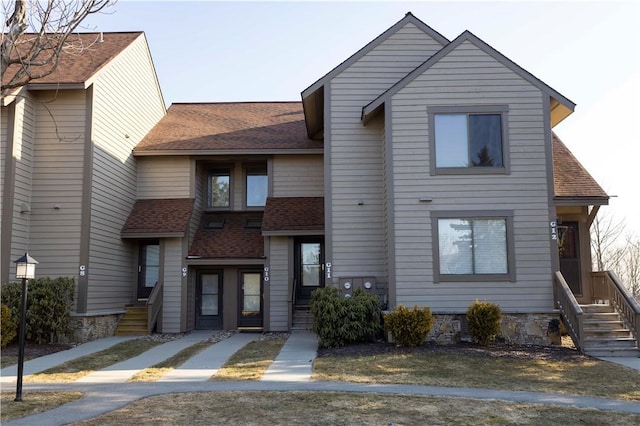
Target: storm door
(209,300)
(250,299)
(569,250)
(309,268)
(148,267)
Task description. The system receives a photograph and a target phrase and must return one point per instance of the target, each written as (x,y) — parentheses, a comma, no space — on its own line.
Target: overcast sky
(211,51)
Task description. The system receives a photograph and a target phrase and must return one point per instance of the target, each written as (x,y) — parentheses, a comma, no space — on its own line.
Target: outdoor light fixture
(26,270)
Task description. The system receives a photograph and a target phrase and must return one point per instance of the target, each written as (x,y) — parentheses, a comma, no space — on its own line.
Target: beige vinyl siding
(468,76)
(356,151)
(174,290)
(127,104)
(23,146)
(278,286)
(200,194)
(56,200)
(298,176)
(163,177)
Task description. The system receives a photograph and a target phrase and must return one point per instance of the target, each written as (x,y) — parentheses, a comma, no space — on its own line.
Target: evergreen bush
(339,320)
(483,320)
(49,304)
(409,327)
(8,327)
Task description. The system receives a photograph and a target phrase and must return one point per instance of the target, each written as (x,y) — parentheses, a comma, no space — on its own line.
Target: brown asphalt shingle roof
(571,179)
(233,241)
(229,126)
(293,214)
(76,67)
(158,216)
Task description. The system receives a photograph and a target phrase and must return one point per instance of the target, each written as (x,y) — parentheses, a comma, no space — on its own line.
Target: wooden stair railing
(154,306)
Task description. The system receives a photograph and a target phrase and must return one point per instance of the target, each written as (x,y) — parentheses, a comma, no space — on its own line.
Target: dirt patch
(501,350)
(34,350)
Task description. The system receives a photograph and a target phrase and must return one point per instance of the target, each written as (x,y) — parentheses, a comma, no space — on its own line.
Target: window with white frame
(473,247)
(468,139)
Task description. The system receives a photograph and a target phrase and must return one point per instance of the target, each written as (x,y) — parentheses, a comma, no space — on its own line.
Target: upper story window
(219,188)
(468,140)
(257,187)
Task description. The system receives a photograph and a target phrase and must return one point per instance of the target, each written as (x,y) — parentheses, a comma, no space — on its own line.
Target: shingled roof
(571,180)
(158,218)
(229,127)
(75,66)
(288,216)
(229,235)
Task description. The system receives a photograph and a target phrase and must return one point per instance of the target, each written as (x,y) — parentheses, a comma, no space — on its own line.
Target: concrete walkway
(105,390)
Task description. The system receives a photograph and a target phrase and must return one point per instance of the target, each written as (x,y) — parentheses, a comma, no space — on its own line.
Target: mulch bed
(502,350)
(34,350)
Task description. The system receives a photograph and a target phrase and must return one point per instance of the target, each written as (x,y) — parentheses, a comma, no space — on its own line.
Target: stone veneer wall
(524,329)
(84,328)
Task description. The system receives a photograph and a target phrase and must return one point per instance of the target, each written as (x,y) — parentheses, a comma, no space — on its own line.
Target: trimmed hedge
(49,304)
(483,320)
(8,326)
(409,327)
(339,320)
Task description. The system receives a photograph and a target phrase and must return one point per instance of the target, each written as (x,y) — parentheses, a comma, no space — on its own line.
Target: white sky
(211,51)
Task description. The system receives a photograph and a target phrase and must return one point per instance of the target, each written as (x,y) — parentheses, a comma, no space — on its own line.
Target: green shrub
(409,327)
(49,304)
(8,327)
(339,320)
(483,319)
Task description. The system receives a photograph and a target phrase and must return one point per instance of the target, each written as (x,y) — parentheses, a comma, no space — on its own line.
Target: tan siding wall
(470,77)
(127,104)
(200,201)
(23,152)
(57,181)
(356,152)
(174,292)
(161,177)
(298,176)
(278,287)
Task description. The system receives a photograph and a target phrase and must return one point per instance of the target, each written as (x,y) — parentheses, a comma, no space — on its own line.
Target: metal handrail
(154,306)
(566,302)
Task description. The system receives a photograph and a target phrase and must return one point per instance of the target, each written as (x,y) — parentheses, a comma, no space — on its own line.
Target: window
(468,141)
(257,187)
(474,248)
(219,188)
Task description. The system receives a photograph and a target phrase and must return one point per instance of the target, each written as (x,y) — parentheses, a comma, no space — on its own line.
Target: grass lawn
(331,408)
(33,403)
(155,372)
(587,377)
(250,362)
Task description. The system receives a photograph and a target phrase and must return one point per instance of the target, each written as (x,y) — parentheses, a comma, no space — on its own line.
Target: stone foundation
(523,329)
(85,328)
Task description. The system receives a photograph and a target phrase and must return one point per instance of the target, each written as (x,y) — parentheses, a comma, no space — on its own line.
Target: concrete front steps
(605,334)
(133,322)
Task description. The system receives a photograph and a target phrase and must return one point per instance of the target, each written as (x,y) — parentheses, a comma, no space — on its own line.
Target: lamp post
(25,269)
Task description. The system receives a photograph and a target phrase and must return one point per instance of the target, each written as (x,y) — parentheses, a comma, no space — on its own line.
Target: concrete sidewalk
(294,363)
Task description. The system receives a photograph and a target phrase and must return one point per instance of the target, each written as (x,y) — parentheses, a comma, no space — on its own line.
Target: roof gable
(313,96)
(561,107)
(76,67)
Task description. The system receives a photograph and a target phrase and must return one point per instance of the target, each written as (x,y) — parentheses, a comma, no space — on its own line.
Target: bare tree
(629,268)
(606,236)
(35,34)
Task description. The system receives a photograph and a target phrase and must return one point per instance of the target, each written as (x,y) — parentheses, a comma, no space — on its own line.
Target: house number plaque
(554,230)
(266,274)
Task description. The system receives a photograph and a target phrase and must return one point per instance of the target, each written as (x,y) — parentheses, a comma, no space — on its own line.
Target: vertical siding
(298,176)
(356,152)
(468,76)
(163,177)
(23,151)
(56,199)
(174,291)
(279,284)
(200,200)
(127,104)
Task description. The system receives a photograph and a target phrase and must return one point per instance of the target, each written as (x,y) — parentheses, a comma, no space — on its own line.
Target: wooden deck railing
(154,306)
(566,302)
(606,285)
(292,300)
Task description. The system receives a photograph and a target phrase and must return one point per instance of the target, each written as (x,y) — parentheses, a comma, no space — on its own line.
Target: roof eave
(292,233)
(139,235)
(213,152)
(581,201)
(213,261)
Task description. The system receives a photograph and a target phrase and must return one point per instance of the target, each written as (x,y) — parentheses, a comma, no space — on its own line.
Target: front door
(309,268)
(569,250)
(250,301)
(209,300)
(148,267)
